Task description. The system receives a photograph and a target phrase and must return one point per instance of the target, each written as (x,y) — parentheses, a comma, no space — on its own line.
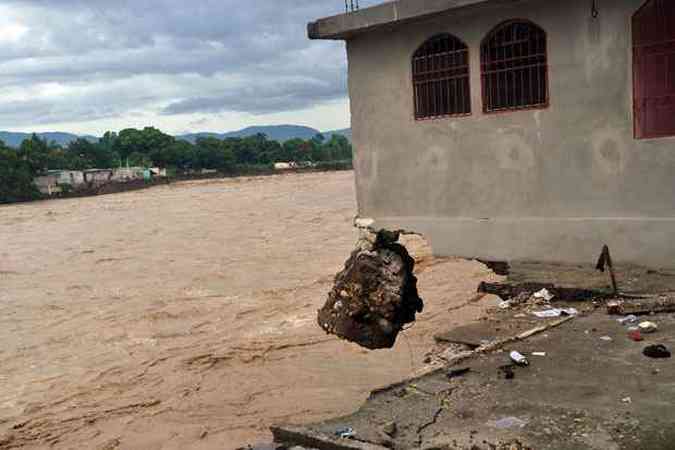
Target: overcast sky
(87,66)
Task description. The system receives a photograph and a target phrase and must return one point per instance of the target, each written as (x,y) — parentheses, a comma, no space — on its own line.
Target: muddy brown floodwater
(183,316)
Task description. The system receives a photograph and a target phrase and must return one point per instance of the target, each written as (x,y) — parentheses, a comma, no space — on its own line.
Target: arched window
(514,67)
(654,69)
(440,70)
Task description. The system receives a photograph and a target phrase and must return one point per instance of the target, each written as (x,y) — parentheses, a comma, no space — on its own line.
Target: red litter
(635,335)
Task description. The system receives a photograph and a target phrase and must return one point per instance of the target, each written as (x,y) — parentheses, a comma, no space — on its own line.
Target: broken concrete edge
(366,225)
(293,435)
(297,435)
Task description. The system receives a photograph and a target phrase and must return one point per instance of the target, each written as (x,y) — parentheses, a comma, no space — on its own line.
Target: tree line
(151,147)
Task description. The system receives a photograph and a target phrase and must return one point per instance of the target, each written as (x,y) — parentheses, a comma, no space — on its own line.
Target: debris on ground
(541,354)
(642,307)
(344,432)
(628,320)
(544,294)
(556,312)
(509,423)
(648,327)
(606,339)
(634,334)
(375,295)
(659,351)
(519,359)
(526,291)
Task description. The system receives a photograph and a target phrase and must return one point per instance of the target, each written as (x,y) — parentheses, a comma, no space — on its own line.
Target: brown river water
(183,316)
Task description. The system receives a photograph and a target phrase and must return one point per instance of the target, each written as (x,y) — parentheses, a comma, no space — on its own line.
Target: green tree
(16,177)
(212,153)
(35,151)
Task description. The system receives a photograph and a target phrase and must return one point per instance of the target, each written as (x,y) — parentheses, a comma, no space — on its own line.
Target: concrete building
(98,177)
(516,129)
(48,184)
(72,178)
(127,174)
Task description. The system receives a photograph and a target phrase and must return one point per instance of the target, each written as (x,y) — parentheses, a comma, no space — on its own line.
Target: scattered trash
(458,372)
(539,354)
(519,359)
(544,294)
(606,339)
(510,422)
(628,320)
(634,334)
(659,351)
(505,305)
(648,327)
(556,312)
(345,433)
(508,372)
(520,316)
(662,305)
(615,308)
(627,400)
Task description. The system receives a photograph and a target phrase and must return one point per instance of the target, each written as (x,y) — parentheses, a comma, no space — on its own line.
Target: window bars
(351,5)
(654,69)
(514,68)
(440,70)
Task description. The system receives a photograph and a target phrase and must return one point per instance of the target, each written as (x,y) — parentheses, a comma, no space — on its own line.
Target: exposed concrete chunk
(375,295)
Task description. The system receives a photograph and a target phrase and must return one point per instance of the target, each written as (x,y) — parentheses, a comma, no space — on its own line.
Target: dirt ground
(183,316)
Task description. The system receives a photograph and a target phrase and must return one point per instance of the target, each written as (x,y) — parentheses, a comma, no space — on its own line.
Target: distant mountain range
(279,133)
(15,139)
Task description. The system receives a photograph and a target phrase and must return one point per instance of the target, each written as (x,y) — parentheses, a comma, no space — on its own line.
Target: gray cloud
(112,57)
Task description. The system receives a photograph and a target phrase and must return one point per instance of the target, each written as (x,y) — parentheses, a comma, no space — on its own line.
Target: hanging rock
(375,295)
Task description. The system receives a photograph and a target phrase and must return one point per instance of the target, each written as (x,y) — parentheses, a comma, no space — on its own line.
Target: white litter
(648,327)
(628,320)
(519,359)
(627,400)
(606,339)
(556,312)
(510,422)
(544,294)
(505,305)
(538,353)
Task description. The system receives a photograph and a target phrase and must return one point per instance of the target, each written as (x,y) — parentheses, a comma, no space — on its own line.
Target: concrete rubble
(375,295)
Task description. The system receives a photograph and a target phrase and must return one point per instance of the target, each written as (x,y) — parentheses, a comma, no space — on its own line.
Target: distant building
(98,177)
(69,177)
(127,174)
(516,129)
(48,184)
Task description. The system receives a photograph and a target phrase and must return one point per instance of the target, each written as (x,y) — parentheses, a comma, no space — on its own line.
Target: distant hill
(279,133)
(347,132)
(15,139)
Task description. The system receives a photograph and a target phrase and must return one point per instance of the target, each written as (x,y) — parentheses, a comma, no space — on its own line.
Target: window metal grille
(654,69)
(440,70)
(514,68)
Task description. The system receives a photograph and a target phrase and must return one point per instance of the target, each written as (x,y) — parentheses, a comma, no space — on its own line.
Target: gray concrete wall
(552,184)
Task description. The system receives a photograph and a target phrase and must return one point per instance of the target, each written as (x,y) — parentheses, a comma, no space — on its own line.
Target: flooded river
(183,316)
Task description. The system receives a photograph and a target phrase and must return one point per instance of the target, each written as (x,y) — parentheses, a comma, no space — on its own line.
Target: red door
(654,69)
